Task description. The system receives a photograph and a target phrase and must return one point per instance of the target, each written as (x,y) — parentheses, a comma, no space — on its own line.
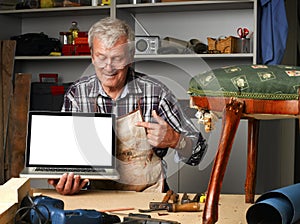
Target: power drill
(44,209)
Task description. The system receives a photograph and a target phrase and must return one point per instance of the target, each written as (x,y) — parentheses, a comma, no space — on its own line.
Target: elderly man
(149,122)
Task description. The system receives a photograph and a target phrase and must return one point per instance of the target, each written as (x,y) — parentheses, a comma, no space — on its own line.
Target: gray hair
(109,30)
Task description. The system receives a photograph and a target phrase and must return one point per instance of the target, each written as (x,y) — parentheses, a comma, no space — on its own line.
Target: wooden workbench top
(232,208)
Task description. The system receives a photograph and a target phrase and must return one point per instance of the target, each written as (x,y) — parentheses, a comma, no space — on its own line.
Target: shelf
(58,11)
(28,20)
(156,56)
(186,6)
(33,58)
(133,8)
(166,56)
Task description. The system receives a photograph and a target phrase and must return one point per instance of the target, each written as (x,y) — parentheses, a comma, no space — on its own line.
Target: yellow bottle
(46,3)
(74,32)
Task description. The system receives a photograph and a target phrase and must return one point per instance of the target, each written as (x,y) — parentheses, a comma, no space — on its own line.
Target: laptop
(64,142)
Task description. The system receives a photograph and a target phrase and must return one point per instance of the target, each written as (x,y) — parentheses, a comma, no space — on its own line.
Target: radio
(146,44)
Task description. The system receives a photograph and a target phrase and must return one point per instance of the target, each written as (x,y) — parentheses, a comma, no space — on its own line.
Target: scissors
(242,32)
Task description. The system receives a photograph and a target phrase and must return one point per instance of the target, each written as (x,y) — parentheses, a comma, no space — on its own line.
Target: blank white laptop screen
(59,142)
(71,140)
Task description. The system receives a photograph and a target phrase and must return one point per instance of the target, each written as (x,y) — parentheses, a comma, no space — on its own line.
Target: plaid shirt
(141,91)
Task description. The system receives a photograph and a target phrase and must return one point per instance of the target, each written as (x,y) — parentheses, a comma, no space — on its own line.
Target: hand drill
(43,209)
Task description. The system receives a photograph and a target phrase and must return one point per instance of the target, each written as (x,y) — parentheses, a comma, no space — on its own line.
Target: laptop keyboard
(68,170)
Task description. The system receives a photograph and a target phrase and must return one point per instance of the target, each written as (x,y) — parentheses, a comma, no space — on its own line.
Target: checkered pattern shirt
(141,91)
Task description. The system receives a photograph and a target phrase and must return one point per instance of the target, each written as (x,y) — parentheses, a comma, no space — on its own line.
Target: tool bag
(36,44)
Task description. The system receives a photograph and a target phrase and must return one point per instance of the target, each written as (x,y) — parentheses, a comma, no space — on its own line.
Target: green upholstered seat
(266,82)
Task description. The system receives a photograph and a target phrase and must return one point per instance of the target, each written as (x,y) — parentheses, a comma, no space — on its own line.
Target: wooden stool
(233,110)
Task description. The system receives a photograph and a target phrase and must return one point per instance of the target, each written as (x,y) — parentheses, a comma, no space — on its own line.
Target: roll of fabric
(278,206)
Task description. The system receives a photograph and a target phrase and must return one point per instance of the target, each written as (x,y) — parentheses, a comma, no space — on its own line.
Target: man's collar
(131,86)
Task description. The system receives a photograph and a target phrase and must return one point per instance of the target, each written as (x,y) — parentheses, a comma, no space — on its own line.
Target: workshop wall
(276,137)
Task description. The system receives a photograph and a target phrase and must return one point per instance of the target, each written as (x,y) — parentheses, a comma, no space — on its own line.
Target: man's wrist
(176,140)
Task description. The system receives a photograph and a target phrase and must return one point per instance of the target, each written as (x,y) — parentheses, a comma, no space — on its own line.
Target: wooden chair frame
(234,110)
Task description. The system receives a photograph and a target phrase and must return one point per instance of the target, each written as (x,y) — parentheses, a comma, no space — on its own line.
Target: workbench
(232,207)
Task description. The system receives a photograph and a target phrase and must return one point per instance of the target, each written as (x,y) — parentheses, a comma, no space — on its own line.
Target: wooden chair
(234,108)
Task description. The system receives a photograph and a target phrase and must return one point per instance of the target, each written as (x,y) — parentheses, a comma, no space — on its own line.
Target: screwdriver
(188,207)
(170,207)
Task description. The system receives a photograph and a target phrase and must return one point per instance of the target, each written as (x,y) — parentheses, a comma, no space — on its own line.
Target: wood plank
(7,77)
(11,194)
(7,212)
(18,125)
(7,67)
(15,189)
(1,123)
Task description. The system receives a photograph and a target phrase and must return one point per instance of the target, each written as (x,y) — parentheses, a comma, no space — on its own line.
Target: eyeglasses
(117,62)
(117,57)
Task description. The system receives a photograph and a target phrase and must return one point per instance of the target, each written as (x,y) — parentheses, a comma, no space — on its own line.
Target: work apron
(139,167)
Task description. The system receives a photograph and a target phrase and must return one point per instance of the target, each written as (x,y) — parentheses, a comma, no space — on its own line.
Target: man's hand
(160,134)
(68,184)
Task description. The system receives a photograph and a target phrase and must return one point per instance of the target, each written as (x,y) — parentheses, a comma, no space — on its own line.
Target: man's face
(111,64)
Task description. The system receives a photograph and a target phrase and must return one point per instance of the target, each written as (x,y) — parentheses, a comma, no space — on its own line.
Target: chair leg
(231,119)
(253,130)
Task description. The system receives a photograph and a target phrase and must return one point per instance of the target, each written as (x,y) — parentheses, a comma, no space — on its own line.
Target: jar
(65,38)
